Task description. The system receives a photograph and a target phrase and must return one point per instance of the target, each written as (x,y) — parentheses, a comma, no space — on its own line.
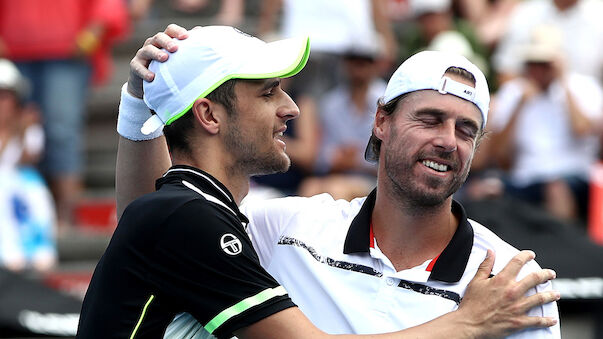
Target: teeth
(435,166)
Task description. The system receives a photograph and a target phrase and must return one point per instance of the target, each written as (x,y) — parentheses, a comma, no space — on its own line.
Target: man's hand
(152,50)
(497,306)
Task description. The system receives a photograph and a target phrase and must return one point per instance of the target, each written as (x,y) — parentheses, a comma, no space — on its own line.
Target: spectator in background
(27,221)
(230,12)
(332,26)
(544,125)
(61,46)
(346,117)
(488,17)
(432,25)
(581,27)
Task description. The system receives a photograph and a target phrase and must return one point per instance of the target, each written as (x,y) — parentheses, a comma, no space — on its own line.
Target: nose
(288,109)
(446,138)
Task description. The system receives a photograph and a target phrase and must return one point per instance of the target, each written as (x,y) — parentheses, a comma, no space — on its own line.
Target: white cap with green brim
(209,57)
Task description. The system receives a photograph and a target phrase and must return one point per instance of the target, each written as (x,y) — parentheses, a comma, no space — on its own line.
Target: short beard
(248,158)
(414,198)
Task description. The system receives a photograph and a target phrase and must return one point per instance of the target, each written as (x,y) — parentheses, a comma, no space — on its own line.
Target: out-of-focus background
(536,180)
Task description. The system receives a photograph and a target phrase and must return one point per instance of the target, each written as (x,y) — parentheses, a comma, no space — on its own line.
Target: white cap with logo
(209,57)
(426,71)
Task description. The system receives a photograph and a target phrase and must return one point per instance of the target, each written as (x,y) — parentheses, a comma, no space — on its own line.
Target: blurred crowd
(543,58)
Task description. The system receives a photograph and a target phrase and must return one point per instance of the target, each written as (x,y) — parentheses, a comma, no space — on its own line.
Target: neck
(236,182)
(409,234)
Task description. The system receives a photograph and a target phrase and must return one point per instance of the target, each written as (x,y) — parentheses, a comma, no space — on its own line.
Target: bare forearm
(502,143)
(270,9)
(139,164)
(450,326)
(581,125)
(291,323)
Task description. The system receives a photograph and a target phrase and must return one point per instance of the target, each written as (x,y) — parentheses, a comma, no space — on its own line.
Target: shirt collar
(451,263)
(203,181)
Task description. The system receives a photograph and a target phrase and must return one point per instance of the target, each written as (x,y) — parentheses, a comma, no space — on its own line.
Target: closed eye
(429,117)
(270,87)
(468,128)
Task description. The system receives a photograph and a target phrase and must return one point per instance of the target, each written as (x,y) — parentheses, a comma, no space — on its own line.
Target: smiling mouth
(435,166)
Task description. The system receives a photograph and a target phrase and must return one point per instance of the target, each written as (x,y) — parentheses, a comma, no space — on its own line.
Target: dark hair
(177,133)
(374,145)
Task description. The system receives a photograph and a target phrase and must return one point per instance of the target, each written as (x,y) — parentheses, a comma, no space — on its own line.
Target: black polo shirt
(180,249)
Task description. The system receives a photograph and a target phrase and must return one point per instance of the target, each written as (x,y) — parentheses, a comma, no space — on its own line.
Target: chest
(356,293)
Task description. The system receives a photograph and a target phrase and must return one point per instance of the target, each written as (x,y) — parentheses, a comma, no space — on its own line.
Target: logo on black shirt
(230,244)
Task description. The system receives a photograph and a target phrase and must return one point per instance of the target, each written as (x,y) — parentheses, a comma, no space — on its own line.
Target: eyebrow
(270,83)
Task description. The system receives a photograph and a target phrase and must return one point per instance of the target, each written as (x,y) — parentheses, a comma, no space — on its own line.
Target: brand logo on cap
(449,86)
(230,244)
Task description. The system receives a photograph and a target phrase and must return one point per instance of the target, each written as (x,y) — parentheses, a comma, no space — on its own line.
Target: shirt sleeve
(548,310)
(588,95)
(206,266)
(267,221)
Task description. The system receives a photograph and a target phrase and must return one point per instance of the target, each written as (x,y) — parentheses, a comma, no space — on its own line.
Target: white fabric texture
(425,70)
(339,300)
(133,112)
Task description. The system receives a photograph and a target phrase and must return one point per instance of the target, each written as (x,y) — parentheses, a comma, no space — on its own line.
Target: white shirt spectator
(546,148)
(332,25)
(580,25)
(344,124)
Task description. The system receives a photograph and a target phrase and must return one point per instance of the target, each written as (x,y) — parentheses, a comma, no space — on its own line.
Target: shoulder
(512,87)
(580,83)
(200,216)
(319,206)
(176,210)
(485,239)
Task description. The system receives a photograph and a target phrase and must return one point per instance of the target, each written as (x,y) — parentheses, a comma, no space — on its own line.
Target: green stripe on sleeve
(144,311)
(243,306)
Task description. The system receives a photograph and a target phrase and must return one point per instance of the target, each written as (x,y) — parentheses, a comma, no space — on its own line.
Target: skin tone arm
(383,27)
(581,124)
(491,307)
(140,163)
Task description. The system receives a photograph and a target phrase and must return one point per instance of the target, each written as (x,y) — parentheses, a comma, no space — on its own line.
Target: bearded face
(428,145)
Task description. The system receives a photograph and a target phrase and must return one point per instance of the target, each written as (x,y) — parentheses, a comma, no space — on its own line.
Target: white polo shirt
(320,250)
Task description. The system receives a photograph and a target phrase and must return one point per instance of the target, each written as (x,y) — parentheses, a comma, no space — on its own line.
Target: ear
(206,115)
(381,121)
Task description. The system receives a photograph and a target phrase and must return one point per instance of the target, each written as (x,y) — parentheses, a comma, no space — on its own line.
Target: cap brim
(279,59)
(369,153)
(283,58)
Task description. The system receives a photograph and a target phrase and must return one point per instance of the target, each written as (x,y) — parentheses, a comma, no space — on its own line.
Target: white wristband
(133,112)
